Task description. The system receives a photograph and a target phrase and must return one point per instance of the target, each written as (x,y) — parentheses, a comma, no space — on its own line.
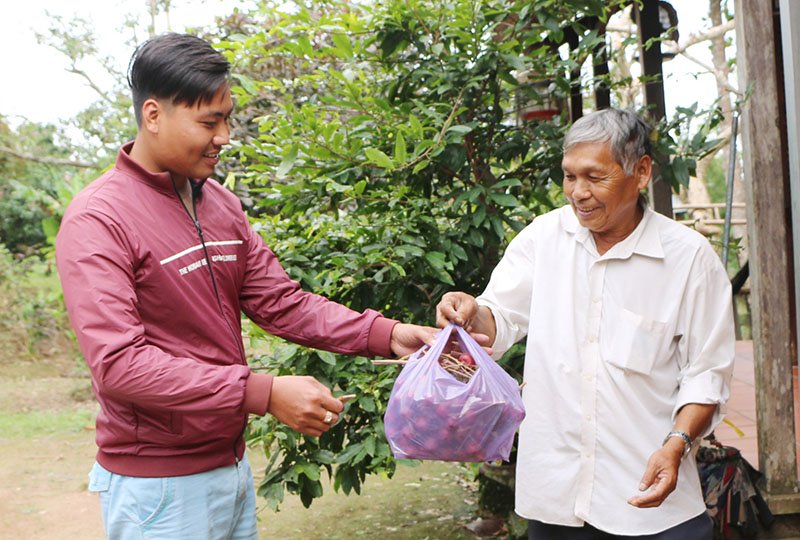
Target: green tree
(389,166)
(34,165)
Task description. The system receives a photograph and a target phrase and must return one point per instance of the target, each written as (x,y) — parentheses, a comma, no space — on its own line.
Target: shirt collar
(644,240)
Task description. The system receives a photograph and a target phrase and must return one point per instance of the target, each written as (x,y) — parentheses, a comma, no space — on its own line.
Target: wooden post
(647,19)
(575,97)
(765,166)
(602,94)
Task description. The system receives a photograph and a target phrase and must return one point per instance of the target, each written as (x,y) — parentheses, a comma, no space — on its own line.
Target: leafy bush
(387,168)
(35,324)
(380,155)
(20,220)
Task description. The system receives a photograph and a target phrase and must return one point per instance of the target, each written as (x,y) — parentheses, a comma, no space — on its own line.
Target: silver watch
(687,441)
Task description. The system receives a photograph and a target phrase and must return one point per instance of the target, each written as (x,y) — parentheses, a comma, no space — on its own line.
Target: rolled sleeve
(708,343)
(506,332)
(707,388)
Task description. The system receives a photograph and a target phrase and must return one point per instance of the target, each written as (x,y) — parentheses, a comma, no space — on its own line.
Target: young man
(629,352)
(157,262)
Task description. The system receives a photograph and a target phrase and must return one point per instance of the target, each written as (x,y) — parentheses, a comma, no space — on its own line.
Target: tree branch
(705,35)
(74,70)
(48,160)
(721,80)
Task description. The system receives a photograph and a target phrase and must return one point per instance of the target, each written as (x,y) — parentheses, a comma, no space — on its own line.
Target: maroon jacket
(155,300)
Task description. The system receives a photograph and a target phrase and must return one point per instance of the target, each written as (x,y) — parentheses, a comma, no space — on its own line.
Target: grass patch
(432,501)
(36,423)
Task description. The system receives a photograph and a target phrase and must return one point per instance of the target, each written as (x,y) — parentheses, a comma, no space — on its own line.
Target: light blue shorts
(213,505)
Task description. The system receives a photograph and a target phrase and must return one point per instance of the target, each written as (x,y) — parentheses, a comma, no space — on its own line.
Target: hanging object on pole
(537,98)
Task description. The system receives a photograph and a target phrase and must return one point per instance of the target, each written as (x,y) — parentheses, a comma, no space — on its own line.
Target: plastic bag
(432,415)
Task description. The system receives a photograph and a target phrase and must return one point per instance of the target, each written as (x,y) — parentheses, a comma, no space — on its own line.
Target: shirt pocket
(155,425)
(633,342)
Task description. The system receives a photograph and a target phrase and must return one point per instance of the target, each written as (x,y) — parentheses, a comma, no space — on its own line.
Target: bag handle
(443,337)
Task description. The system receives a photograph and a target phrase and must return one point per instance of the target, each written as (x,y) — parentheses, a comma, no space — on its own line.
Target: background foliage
(378,149)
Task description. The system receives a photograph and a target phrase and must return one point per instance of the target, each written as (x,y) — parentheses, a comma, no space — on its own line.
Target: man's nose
(581,189)
(223,135)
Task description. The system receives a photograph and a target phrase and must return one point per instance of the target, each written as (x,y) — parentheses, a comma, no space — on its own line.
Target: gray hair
(624,130)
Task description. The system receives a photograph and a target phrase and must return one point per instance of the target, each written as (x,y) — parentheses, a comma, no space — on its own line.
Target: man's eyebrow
(218,114)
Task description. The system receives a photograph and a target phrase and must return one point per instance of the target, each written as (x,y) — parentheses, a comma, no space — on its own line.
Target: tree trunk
(697,193)
(625,94)
(722,72)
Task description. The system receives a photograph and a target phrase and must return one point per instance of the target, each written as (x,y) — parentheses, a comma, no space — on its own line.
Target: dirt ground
(47,448)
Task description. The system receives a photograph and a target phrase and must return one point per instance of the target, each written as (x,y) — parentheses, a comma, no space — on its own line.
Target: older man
(630,346)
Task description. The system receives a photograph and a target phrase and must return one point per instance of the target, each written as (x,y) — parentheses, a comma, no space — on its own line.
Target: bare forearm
(694,418)
(483,323)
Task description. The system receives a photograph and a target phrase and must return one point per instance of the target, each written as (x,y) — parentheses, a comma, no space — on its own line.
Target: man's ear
(643,172)
(151,111)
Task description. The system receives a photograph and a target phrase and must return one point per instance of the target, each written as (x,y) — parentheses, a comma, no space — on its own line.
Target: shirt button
(596,299)
(592,339)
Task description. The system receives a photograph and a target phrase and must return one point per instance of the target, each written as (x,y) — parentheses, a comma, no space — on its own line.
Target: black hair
(179,67)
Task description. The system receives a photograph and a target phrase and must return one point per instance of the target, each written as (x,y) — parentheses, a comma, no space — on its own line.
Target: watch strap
(687,441)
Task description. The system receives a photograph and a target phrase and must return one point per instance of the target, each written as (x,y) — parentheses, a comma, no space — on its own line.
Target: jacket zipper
(199,230)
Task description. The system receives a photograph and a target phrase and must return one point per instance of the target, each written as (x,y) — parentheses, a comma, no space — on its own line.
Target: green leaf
(416,127)
(367,403)
(379,158)
(680,170)
(503,199)
(508,182)
(436,259)
(327,357)
(422,165)
(400,148)
(359,187)
(349,453)
(369,446)
(514,61)
(273,494)
(50,227)
(344,48)
(288,162)
(310,470)
(230,181)
(247,83)
(460,129)
(457,252)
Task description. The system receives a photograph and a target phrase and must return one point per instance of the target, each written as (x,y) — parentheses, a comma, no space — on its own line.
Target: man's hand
(303,404)
(407,338)
(660,476)
(457,307)
(463,309)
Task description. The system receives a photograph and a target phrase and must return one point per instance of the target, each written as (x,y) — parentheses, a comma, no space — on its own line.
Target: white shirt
(617,344)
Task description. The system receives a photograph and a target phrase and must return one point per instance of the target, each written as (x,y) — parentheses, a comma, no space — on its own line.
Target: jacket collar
(644,240)
(161,181)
